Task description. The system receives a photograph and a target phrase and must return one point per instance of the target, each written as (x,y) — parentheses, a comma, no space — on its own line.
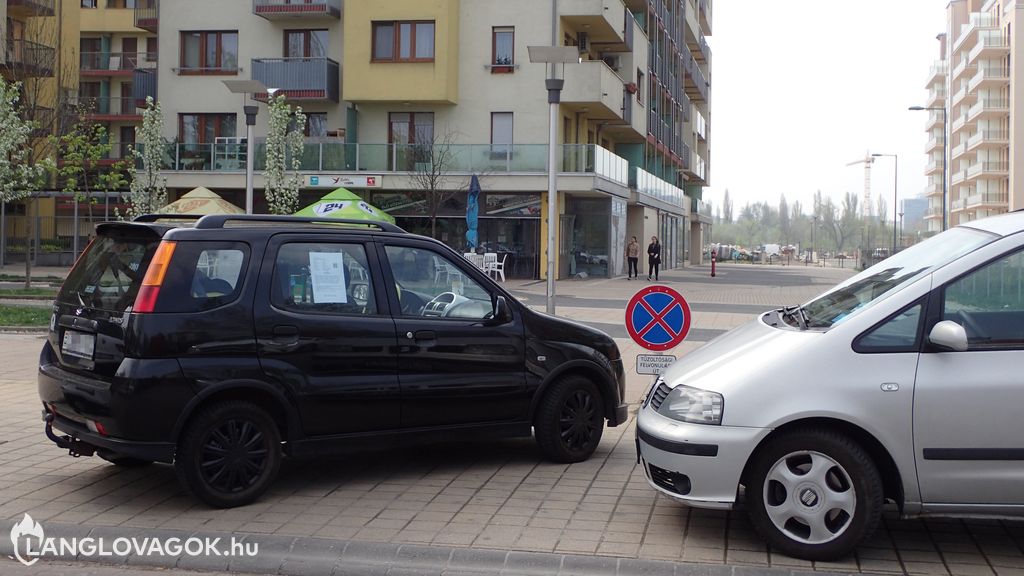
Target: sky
(803,87)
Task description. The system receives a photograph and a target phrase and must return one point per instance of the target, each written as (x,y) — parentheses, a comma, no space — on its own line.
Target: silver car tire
(814,494)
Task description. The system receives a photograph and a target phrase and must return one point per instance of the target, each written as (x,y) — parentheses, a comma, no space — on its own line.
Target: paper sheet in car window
(327,272)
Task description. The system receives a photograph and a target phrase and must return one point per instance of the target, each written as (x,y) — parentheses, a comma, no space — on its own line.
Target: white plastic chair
(490,261)
(498,268)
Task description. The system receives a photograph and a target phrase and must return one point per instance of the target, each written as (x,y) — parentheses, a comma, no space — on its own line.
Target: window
(316,124)
(503,49)
(151,49)
(403,42)
(209,53)
(412,136)
(305,43)
(897,334)
(120,3)
(203,276)
(989,304)
(639,86)
(323,278)
(205,128)
(501,134)
(89,3)
(429,284)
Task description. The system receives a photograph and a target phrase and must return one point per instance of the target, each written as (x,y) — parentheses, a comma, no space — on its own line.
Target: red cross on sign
(657,318)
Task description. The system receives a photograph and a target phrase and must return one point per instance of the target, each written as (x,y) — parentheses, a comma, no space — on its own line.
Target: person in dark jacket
(653,258)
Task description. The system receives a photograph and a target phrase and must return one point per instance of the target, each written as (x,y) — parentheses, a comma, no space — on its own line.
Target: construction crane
(868,160)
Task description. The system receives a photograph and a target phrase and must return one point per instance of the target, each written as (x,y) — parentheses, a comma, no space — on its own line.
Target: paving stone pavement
(495,503)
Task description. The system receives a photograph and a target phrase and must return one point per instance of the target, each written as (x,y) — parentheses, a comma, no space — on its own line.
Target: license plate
(78,344)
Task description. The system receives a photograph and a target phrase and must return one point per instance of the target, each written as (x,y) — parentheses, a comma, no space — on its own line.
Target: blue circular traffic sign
(657,318)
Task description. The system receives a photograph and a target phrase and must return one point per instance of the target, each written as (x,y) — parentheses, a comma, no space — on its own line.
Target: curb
(309,556)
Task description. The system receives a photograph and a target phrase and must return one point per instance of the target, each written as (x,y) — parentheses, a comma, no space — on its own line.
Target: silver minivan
(903,384)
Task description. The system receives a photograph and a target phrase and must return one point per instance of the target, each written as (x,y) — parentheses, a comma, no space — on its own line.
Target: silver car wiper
(797,312)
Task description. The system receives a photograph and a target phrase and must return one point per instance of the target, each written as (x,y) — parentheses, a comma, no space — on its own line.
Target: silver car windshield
(890,275)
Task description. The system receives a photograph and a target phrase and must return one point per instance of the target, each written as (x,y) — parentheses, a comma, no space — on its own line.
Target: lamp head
(916,108)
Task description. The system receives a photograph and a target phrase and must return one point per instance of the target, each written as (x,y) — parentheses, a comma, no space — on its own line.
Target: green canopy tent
(343,204)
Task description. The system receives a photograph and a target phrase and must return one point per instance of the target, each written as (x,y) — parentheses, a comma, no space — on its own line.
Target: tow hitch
(74,446)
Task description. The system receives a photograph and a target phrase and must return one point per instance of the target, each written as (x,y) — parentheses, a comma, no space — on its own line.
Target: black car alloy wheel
(233,455)
(570,420)
(576,423)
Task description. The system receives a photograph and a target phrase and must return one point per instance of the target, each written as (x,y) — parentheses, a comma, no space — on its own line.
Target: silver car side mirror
(950,335)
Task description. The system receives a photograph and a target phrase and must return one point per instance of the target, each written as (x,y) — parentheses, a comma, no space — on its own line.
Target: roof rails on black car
(159,217)
(219,221)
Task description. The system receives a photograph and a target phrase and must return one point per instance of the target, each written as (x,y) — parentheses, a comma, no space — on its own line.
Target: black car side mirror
(502,312)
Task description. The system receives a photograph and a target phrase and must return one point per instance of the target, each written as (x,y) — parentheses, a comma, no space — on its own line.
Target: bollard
(713,263)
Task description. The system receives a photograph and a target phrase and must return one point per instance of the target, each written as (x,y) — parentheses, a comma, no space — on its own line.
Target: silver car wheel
(809,497)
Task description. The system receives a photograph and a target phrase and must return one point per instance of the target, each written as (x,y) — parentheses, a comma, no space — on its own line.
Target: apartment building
(386,85)
(114,57)
(984,169)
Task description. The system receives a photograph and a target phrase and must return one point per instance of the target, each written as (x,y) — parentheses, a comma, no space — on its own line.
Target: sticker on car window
(327,272)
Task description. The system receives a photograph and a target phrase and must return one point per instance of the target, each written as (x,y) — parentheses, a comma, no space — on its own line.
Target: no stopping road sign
(657,318)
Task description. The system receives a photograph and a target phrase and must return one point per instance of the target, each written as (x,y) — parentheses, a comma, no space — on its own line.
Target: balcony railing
(999,137)
(465,158)
(958,150)
(30,7)
(989,74)
(988,199)
(988,105)
(650,185)
(299,78)
(30,58)
(107,106)
(990,41)
(980,168)
(116,61)
(147,15)
(144,83)
(938,70)
(290,9)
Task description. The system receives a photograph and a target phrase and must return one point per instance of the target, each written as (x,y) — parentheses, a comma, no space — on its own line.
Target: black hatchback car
(224,345)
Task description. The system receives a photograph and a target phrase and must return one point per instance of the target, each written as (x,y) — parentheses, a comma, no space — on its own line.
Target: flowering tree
(284,143)
(20,174)
(148,191)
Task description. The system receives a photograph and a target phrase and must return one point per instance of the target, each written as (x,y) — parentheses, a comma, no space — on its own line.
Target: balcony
(604,21)
(695,85)
(651,186)
(322,156)
(988,108)
(957,205)
(960,69)
(30,8)
(985,170)
(147,15)
(594,85)
(304,79)
(988,200)
(959,123)
(992,45)
(958,177)
(989,77)
(933,144)
(30,59)
(937,73)
(933,213)
(970,31)
(704,14)
(107,109)
(292,9)
(933,189)
(114,63)
(988,139)
(144,85)
(958,150)
(937,98)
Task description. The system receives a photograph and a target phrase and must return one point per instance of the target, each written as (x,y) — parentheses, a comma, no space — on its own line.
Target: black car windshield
(890,275)
(109,273)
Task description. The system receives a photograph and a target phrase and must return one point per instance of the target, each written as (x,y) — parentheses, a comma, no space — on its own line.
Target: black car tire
(247,436)
(123,461)
(569,420)
(843,490)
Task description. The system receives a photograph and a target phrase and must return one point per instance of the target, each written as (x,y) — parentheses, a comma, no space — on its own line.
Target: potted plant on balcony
(632,88)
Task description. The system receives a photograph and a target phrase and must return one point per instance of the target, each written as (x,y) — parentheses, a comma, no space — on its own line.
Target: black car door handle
(422,335)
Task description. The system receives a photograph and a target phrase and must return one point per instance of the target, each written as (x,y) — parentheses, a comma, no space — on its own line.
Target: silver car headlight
(694,405)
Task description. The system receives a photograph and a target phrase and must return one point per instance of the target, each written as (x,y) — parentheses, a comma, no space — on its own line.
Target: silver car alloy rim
(809,497)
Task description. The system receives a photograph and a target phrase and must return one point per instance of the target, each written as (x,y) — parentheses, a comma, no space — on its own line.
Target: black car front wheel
(229,454)
(569,420)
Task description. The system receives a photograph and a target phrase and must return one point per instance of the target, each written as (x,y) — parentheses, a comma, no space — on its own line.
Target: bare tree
(434,160)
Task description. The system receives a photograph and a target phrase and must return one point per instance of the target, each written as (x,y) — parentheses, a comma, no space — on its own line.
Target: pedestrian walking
(653,258)
(632,256)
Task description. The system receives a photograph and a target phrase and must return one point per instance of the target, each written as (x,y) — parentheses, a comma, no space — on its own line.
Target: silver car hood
(746,355)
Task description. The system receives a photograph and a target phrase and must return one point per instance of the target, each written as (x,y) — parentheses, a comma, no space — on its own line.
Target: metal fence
(51,240)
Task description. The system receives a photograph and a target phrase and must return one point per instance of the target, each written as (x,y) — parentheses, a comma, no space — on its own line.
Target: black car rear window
(203,276)
(109,273)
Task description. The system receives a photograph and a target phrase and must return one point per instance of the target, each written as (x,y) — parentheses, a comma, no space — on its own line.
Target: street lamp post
(553,55)
(901,229)
(944,145)
(895,193)
(246,87)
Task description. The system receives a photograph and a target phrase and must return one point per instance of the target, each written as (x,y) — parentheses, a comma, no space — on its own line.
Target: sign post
(658,319)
